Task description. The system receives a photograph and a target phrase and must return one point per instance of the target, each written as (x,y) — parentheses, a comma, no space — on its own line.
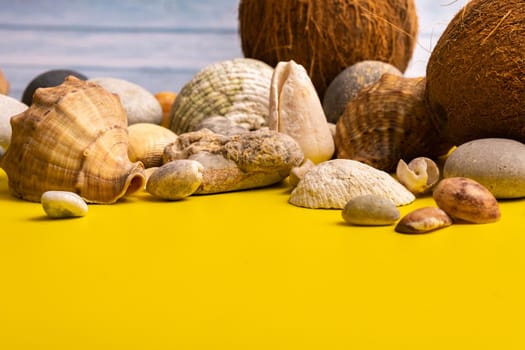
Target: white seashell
(237,89)
(63,204)
(296,110)
(333,183)
(419,175)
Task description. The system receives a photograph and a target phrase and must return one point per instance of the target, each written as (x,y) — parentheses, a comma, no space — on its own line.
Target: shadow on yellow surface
(247,270)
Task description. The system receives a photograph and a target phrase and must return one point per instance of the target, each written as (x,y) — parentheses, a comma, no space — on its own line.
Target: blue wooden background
(158,44)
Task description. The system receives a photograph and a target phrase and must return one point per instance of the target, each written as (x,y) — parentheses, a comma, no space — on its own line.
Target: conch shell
(386,122)
(296,110)
(72,138)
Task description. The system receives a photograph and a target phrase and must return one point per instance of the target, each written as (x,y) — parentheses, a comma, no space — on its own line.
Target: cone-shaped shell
(72,138)
(333,183)
(238,89)
(386,122)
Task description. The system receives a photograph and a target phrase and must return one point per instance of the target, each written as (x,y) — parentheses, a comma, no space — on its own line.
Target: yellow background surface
(247,270)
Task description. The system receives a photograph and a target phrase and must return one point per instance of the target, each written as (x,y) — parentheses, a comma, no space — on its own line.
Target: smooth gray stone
(496,163)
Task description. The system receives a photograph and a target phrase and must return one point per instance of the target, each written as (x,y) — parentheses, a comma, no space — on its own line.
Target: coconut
(327,36)
(476,73)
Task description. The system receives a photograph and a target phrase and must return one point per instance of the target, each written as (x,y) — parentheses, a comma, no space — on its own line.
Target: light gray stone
(63,204)
(496,163)
(9,107)
(370,210)
(140,105)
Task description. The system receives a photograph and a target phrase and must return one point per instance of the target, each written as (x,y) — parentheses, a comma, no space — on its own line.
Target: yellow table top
(247,270)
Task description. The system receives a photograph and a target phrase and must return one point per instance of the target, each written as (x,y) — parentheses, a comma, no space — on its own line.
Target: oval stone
(496,163)
(370,210)
(63,204)
(140,105)
(9,107)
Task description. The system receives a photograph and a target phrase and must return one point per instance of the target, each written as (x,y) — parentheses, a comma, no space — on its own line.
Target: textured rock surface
(247,160)
(496,163)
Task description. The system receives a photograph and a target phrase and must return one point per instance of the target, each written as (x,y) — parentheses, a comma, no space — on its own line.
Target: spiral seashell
(419,175)
(147,142)
(295,109)
(333,183)
(386,122)
(73,138)
(237,89)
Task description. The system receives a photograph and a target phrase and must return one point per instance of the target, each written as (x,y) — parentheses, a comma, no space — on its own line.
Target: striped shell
(386,122)
(333,183)
(72,138)
(238,89)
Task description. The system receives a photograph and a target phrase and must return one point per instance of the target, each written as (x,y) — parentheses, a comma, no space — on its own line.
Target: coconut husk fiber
(327,36)
(476,73)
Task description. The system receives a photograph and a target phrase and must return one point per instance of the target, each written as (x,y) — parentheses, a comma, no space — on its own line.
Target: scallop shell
(333,183)
(295,109)
(238,89)
(72,138)
(147,142)
(386,122)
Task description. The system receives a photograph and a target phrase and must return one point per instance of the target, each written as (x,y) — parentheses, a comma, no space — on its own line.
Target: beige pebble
(176,179)
(63,204)
(423,220)
(370,210)
(466,199)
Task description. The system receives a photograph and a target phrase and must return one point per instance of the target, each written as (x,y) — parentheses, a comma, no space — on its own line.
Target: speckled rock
(8,107)
(63,204)
(498,164)
(140,105)
(370,210)
(347,84)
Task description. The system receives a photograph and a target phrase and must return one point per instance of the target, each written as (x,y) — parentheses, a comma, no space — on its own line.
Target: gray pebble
(370,210)
(140,105)
(496,163)
(63,204)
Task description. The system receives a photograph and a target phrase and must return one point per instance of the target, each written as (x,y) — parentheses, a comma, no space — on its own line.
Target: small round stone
(63,204)
(176,179)
(141,106)
(496,163)
(370,210)
(9,107)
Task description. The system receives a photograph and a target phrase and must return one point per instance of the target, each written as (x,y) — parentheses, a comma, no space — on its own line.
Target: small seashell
(297,173)
(140,105)
(370,210)
(347,84)
(9,107)
(466,199)
(63,204)
(166,99)
(386,122)
(247,160)
(46,79)
(237,89)
(74,138)
(147,142)
(295,109)
(175,180)
(423,220)
(4,84)
(419,175)
(333,183)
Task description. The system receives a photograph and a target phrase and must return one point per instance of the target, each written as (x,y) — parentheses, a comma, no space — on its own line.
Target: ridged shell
(147,142)
(333,183)
(386,122)
(238,89)
(72,138)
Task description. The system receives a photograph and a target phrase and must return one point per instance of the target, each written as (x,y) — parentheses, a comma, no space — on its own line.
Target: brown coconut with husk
(327,36)
(476,73)
(386,122)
